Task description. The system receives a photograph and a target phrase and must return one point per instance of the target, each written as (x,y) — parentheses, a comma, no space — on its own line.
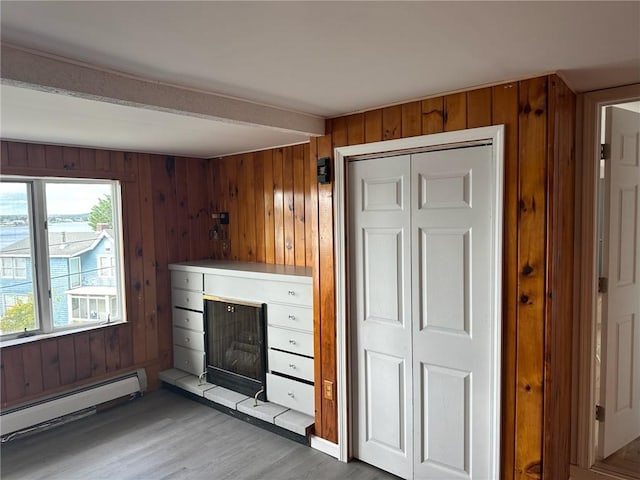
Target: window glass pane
(17,306)
(82,249)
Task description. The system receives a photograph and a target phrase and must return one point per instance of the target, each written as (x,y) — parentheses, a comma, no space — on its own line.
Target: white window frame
(78,275)
(39,246)
(13,267)
(87,298)
(109,270)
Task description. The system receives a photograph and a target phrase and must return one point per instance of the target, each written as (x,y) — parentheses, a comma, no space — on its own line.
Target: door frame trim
(493,134)
(587,191)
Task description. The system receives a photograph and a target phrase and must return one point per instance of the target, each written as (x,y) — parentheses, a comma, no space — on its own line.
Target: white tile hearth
(225,397)
(194,385)
(295,422)
(269,412)
(266,411)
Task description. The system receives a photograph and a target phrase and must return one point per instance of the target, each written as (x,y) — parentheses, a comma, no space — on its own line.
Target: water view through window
(81,255)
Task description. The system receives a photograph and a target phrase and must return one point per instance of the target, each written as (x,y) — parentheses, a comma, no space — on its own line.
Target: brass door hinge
(603,284)
(599,413)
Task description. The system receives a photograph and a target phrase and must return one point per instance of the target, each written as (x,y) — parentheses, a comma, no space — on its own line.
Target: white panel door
(381,283)
(620,394)
(452,292)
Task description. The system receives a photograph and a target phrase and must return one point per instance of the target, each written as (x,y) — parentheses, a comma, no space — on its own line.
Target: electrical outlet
(328,390)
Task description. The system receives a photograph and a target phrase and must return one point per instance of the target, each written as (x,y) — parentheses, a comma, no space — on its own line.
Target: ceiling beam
(35,70)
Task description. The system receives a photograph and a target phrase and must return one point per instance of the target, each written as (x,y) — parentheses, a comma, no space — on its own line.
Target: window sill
(43,336)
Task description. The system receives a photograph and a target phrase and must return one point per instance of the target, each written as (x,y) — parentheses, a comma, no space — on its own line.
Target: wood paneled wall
(539,115)
(165,202)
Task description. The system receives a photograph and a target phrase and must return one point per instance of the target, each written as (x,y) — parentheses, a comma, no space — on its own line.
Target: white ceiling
(319,58)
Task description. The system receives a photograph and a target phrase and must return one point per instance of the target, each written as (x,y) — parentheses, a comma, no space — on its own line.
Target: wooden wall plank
(339,131)
(36,156)
(133,254)
(309,202)
(70,158)
(162,204)
(318,349)
(103,160)
(112,350)
(67,360)
(373,126)
(278,206)
(50,364)
(411,119)
(505,111)
(479,107)
(391,122)
(298,205)
(32,361)
(327,295)
(17,155)
(13,368)
(97,352)
(149,262)
(53,158)
(455,112)
(259,218)
(287,188)
(269,211)
(432,115)
(531,277)
(355,129)
(560,280)
(249,201)
(182,218)
(87,159)
(126,349)
(83,355)
(4,152)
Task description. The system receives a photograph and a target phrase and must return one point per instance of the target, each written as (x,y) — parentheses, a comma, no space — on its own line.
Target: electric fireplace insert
(236,345)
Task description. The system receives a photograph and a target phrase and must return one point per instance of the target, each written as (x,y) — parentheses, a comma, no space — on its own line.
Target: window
(106,266)
(60,254)
(75,277)
(14,267)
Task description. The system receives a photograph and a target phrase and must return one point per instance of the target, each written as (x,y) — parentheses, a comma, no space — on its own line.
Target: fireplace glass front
(235,346)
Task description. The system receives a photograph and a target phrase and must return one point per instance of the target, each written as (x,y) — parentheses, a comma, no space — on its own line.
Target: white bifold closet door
(421,234)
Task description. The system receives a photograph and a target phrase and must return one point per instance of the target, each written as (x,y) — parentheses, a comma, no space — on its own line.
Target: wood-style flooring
(166,436)
(625,461)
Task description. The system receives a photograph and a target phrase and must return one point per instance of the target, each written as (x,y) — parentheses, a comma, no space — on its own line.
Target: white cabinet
(188,322)
(288,293)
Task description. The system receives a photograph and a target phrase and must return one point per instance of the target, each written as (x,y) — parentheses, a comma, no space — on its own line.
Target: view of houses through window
(75,280)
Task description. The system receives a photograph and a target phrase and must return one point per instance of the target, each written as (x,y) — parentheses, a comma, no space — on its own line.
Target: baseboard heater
(35,413)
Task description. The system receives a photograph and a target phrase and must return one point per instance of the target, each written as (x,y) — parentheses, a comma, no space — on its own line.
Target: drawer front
(188,338)
(186,280)
(235,288)
(289,393)
(187,299)
(188,360)
(293,365)
(290,340)
(188,319)
(293,293)
(290,316)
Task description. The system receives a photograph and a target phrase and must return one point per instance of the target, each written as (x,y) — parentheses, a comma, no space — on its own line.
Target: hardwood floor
(625,461)
(166,436)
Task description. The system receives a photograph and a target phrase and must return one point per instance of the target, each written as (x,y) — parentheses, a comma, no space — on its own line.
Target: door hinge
(599,413)
(605,151)
(49,293)
(603,284)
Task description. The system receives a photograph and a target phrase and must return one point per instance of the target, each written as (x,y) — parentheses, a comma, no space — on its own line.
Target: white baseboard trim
(325,446)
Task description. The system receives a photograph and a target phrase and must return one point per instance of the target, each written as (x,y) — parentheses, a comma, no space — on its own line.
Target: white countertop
(246,269)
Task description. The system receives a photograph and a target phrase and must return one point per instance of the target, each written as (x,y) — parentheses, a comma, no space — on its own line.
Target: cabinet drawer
(293,293)
(188,338)
(289,364)
(290,316)
(187,299)
(187,360)
(290,340)
(289,393)
(188,319)
(186,280)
